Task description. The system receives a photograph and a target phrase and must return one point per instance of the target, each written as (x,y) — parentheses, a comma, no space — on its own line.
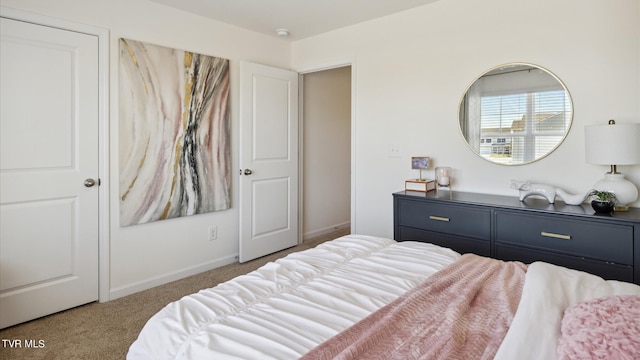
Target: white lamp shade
(616,144)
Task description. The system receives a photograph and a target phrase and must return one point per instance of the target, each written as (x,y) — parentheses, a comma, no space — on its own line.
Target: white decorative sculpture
(527,188)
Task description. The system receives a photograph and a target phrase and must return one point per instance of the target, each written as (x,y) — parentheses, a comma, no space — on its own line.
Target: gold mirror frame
(494,110)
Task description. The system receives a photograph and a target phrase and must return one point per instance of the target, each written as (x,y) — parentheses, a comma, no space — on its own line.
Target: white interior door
(49,125)
(268,160)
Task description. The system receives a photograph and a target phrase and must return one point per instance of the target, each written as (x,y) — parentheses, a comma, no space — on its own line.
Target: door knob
(89,182)
(248,172)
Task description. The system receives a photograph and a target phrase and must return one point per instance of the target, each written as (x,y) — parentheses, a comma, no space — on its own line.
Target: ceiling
(302,18)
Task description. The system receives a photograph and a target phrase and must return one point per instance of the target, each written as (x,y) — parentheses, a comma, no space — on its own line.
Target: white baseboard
(326,230)
(167,278)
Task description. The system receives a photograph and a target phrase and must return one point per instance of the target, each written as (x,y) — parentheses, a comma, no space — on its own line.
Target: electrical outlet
(213,232)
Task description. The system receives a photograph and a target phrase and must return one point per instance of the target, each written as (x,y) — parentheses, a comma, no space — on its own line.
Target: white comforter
(286,308)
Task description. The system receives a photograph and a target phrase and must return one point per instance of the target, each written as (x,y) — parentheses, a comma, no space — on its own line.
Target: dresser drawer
(451,219)
(603,269)
(457,243)
(594,240)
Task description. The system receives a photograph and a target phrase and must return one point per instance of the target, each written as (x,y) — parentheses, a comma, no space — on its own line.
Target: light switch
(395,151)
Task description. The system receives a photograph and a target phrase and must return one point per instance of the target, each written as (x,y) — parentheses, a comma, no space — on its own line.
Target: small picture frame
(420,163)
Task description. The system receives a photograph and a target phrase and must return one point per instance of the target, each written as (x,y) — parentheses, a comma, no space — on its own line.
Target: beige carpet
(106,330)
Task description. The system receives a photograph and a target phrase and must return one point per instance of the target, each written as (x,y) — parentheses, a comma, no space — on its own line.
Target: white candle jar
(444,176)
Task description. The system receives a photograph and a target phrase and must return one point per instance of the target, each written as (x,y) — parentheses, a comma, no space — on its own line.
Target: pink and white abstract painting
(174,133)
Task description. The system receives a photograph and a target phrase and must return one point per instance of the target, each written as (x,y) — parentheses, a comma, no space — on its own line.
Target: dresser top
(533,203)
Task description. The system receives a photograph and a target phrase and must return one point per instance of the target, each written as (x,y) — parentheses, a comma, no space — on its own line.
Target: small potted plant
(602,201)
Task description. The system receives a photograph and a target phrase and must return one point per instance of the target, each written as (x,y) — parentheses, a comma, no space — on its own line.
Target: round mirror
(515,114)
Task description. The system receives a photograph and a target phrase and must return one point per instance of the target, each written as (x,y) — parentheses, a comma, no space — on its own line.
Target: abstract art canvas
(174,133)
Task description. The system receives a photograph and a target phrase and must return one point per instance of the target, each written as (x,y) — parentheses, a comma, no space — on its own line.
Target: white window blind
(523,126)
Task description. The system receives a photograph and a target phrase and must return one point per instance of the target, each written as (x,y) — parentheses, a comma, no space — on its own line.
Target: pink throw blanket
(461,312)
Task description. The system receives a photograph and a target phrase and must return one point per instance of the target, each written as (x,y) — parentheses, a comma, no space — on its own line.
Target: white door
(49,120)
(268,160)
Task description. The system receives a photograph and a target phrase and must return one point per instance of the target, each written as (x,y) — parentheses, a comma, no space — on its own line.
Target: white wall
(411,69)
(145,255)
(327,151)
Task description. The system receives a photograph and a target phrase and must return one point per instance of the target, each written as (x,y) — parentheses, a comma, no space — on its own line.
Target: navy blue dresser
(506,228)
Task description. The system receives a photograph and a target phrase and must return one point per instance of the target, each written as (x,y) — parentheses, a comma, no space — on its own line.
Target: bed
(369,297)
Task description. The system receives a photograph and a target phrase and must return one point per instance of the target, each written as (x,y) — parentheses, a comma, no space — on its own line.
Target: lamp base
(626,192)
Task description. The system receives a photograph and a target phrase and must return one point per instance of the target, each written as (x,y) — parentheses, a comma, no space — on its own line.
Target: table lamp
(614,144)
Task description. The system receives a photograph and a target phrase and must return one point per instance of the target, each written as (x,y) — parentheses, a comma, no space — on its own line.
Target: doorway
(326,151)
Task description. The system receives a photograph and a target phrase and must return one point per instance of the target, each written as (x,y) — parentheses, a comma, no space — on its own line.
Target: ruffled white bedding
(286,308)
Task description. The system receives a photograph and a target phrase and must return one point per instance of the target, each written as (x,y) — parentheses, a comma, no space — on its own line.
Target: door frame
(103,127)
(338,63)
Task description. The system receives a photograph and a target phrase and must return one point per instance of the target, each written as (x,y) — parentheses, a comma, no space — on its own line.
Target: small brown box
(419,185)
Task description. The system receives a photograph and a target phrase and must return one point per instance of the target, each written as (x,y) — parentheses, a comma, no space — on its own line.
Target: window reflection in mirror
(515,114)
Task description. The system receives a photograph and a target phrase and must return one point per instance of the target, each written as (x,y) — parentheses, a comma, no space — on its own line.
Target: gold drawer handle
(438,218)
(556,236)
